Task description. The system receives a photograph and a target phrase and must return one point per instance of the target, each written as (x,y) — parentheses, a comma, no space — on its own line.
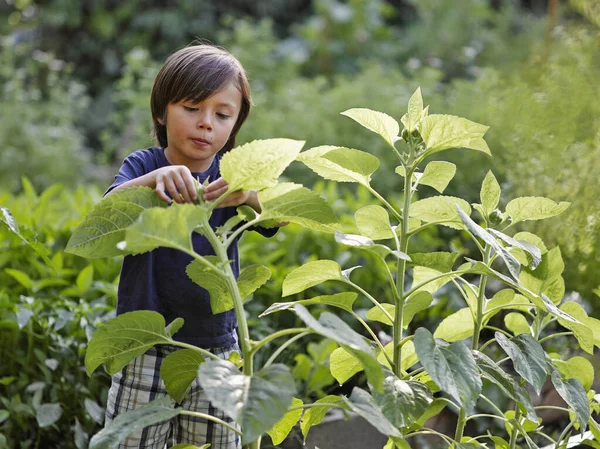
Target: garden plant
(498,338)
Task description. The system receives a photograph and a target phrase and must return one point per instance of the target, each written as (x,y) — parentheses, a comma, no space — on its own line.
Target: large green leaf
(122,339)
(178,370)
(257,164)
(528,356)
(97,236)
(311,274)
(281,430)
(340,164)
(457,326)
(292,202)
(452,367)
(441,132)
(534,208)
(529,248)
(343,301)
(362,403)
(578,368)
(439,261)
(314,415)
(171,227)
(126,423)
(333,327)
(41,250)
(402,403)
(490,193)
(507,383)
(414,304)
(578,324)
(424,274)
(440,208)
(438,174)
(257,403)
(375,121)
(343,365)
(574,395)
(251,278)
(374,222)
(517,324)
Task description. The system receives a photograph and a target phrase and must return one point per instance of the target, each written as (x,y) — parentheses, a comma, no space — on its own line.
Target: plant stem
(494,406)
(564,433)
(560,334)
(481,300)
(238,304)
(383,200)
(426,431)
(281,333)
(370,298)
(204,352)
(514,433)
(460,425)
(211,418)
(486,415)
(284,346)
(401,273)
(370,331)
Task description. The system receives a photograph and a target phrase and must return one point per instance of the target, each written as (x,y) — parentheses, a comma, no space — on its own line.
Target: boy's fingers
(214,194)
(170,186)
(160,191)
(182,188)
(216,185)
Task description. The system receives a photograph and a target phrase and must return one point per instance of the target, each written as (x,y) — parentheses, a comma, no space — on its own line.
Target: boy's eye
(221,115)
(189,109)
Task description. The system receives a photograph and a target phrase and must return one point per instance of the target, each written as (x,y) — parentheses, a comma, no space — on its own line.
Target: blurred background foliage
(76,77)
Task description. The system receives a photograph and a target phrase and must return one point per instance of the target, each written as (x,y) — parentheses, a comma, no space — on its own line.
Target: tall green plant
(453,360)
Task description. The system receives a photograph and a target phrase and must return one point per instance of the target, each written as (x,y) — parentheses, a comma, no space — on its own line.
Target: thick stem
(400,275)
(460,425)
(238,304)
(481,300)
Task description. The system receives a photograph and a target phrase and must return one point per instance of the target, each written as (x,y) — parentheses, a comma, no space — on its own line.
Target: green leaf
(415,111)
(375,121)
(528,356)
(414,304)
(48,414)
(531,249)
(315,414)
(362,403)
(343,301)
(343,365)
(85,279)
(409,355)
(257,164)
(511,262)
(424,274)
(534,208)
(179,370)
(292,202)
(577,368)
(94,410)
(376,314)
(374,222)
(402,403)
(257,403)
(7,218)
(126,423)
(456,327)
(507,383)
(171,227)
(311,274)
(333,327)
(21,277)
(122,339)
(451,367)
(439,261)
(97,236)
(340,164)
(441,132)
(490,193)
(215,282)
(440,208)
(358,241)
(517,324)
(281,430)
(574,395)
(251,278)
(438,174)
(577,324)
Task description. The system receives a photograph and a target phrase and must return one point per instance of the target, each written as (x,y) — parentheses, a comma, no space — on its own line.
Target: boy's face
(197,131)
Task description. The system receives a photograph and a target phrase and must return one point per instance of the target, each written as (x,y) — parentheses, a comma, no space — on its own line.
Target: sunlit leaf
(375,121)
(490,193)
(441,132)
(438,174)
(534,208)
(440,208)
(374,222)
(281,430)
(456,327)
(311,274)
(343,301)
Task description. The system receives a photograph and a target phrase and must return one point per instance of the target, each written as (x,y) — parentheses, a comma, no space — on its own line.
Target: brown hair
(195,73)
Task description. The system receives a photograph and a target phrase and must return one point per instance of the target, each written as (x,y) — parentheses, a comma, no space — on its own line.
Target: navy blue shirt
(157,280)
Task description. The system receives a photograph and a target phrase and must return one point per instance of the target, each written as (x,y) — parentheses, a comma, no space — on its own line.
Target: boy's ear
(162,120)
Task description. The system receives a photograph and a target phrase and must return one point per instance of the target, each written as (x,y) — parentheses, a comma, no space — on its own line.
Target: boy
(199,101)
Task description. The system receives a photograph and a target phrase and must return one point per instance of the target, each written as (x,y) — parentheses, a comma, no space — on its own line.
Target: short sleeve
(133,167)
(265,232)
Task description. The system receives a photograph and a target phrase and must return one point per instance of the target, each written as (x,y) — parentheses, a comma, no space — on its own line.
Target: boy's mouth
(200,142)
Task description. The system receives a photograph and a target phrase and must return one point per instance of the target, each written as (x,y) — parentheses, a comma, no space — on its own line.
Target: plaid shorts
(139,383)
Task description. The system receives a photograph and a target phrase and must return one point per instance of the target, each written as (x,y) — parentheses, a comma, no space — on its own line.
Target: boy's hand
(178,181)
(218,187)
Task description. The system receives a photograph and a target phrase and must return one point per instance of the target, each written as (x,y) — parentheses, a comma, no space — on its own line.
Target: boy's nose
(204,122)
